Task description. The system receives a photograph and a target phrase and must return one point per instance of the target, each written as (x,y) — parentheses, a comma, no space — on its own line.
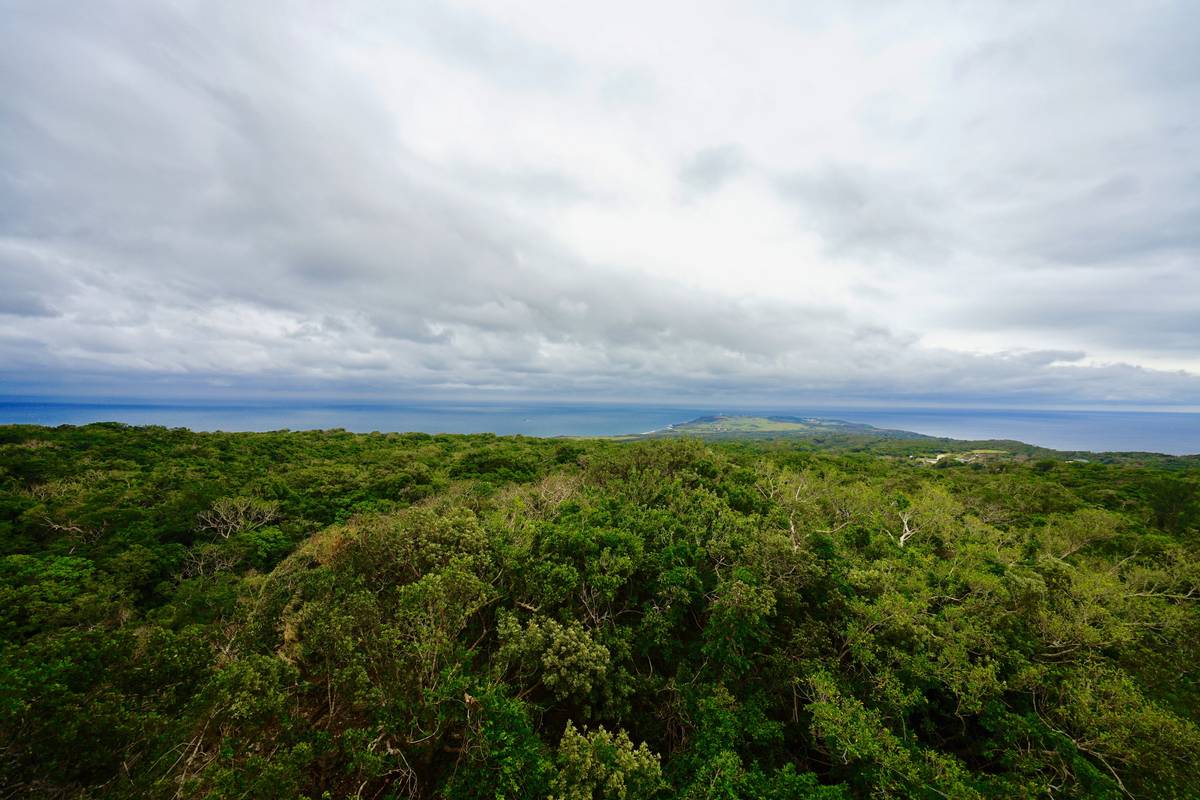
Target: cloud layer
(924,203)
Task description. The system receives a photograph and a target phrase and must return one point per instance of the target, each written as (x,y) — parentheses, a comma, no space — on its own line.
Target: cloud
(435,198)
(857,211)
(712,167)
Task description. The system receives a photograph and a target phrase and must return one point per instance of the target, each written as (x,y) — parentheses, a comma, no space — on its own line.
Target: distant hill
(723,426)
(835,435)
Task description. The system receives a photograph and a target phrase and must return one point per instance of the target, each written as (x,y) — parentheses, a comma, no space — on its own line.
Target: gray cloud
(27,284)
(712,167)
(193,196)
(869,212)
(481,44)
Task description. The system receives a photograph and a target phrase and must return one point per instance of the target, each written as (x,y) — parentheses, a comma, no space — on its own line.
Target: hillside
(839,436)
(326,614)
(733,426)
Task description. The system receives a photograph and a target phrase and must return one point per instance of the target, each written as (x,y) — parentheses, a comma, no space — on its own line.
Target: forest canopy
(326,614)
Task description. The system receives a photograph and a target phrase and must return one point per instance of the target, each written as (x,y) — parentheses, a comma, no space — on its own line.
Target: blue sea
(1176,433)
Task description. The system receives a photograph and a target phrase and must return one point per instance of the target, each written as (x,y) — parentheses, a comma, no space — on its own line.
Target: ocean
(1177,433)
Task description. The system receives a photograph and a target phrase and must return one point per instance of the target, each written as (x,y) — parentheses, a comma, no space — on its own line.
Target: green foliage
(598,765)
(566,657)
(324,614)
(504,758)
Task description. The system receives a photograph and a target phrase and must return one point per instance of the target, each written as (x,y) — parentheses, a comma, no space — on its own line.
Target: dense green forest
(326,614)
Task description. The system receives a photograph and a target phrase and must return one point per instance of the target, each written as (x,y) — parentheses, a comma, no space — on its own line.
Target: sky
(976,204)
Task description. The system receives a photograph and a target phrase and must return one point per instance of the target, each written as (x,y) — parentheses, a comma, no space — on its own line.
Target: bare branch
(231,515)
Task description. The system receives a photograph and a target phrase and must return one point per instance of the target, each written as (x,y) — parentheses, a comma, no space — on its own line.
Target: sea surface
(1177,433)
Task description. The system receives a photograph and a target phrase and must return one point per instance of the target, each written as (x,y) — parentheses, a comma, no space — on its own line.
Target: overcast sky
(962,203)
